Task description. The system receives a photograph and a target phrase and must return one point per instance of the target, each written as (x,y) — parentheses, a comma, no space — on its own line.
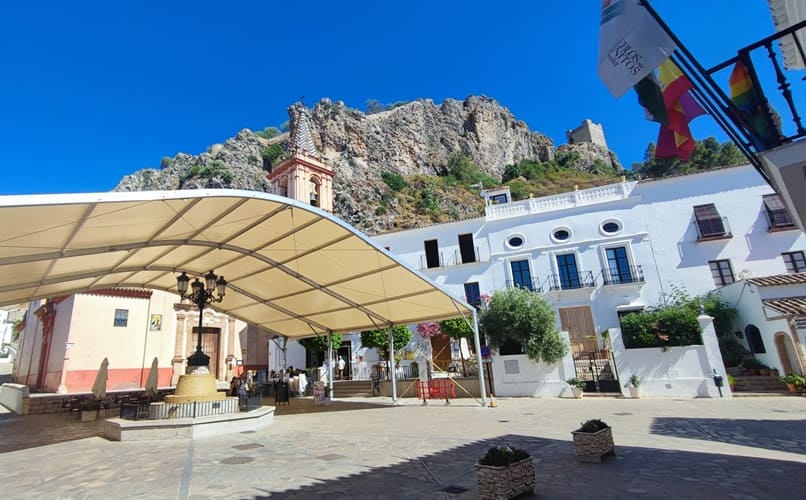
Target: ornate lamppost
(201,294)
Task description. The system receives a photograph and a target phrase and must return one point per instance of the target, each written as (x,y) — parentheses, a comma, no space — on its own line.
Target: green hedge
(674,325)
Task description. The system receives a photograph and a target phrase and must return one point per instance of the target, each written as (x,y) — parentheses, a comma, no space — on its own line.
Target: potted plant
(89,410)
(794,381)
(606,343)
(593,440)
(775,373)
(577,386)
(635,386)
(732,382)
(751,365)
(764,370)
(505,472)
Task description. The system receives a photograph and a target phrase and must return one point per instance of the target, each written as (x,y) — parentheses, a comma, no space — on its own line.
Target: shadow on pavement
(778,435)
(30,431)
(634,472)
(305,405)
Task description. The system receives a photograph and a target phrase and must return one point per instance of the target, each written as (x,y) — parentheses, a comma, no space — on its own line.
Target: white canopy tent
(292,269)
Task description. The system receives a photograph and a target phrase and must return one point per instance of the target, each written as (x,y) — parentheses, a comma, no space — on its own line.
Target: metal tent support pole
(330,362)
(479,359)
(392,364)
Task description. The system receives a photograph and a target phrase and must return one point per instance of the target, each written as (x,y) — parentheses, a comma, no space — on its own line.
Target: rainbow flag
(744,96)
(674,138)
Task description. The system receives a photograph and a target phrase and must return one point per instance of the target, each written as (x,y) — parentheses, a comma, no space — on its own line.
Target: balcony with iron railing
(623,276)
(713,229)
(558,282)
(449,258)
(533,285)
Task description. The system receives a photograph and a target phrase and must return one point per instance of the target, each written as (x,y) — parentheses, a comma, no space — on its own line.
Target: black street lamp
(202,294)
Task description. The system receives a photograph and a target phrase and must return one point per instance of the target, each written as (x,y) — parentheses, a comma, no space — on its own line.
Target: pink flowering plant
(428,330)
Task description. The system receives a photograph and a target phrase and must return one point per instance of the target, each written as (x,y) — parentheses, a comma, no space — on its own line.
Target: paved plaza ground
(742,448)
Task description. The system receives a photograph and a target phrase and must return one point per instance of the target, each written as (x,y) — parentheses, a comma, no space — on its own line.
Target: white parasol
(99,386)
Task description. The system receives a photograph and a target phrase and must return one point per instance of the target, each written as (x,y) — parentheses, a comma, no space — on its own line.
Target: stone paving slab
(696,448)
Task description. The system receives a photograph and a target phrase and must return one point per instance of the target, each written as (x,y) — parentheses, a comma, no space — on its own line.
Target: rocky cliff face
(415,138)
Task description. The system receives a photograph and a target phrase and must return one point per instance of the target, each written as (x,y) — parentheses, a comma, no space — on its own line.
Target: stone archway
(786,353)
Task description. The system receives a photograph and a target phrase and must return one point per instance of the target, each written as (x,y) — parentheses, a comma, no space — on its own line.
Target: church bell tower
(302,175)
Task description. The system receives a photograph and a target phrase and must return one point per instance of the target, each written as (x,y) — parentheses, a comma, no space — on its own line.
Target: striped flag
(674,138)
(631,45)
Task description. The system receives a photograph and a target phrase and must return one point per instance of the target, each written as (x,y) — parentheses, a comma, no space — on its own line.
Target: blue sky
(92,91)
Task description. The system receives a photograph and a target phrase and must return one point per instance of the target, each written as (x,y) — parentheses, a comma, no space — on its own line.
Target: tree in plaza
(456,328)
(379,340)
(521,316)
(319,343)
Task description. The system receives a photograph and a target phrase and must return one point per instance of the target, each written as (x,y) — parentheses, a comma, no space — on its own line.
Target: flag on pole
(743,94)
(631,45)
(674,138)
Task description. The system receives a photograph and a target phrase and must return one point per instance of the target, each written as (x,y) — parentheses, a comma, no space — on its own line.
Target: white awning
(292,269)
(787,13)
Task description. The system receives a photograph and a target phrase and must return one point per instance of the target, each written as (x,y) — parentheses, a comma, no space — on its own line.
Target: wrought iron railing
(569,281)
(622,276)
(752,56)
(532,285)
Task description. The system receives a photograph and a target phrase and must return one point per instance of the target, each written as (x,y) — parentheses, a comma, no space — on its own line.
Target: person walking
(341,364)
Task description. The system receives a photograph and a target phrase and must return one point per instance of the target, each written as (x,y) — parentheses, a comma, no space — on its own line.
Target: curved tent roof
(292,269)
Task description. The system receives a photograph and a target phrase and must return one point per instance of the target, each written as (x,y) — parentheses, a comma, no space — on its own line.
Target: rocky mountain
(413,139)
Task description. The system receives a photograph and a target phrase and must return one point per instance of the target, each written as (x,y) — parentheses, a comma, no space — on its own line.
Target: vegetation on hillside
(707,154)
(214,168)
(435,199)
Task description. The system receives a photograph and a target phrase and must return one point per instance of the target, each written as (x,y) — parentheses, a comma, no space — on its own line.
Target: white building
(598,253)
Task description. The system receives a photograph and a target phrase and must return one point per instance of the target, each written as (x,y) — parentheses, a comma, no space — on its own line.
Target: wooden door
(578,322)
(441,352)
(210,339)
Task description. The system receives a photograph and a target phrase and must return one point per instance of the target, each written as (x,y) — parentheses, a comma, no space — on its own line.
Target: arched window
(753,336)
(314,187)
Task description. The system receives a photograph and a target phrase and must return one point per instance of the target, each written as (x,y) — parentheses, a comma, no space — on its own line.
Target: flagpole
(710,87)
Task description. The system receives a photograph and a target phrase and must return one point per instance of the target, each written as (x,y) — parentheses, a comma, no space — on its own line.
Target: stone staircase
(759,386)
(352,388)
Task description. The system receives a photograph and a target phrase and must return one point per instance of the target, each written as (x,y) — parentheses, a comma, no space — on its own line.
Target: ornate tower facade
(303,176)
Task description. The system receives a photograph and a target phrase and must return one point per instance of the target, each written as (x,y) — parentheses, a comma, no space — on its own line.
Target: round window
(561,234)
(515,241)
(611,227)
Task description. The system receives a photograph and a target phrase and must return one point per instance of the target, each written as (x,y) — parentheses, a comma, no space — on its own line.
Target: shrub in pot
(752,366)
(794,381)
(593,440)
(635,386)
(505,472)
(577,386)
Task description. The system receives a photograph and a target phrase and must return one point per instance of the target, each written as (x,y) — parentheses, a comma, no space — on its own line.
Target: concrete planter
(577,392)
(506,482)
(591,447)
(635,392)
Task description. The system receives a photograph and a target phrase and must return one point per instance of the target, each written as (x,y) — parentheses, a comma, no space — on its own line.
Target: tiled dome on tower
(301,139)
(302,175)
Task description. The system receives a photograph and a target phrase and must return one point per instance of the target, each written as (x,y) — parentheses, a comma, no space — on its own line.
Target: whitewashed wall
(517,375)
(676,372)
